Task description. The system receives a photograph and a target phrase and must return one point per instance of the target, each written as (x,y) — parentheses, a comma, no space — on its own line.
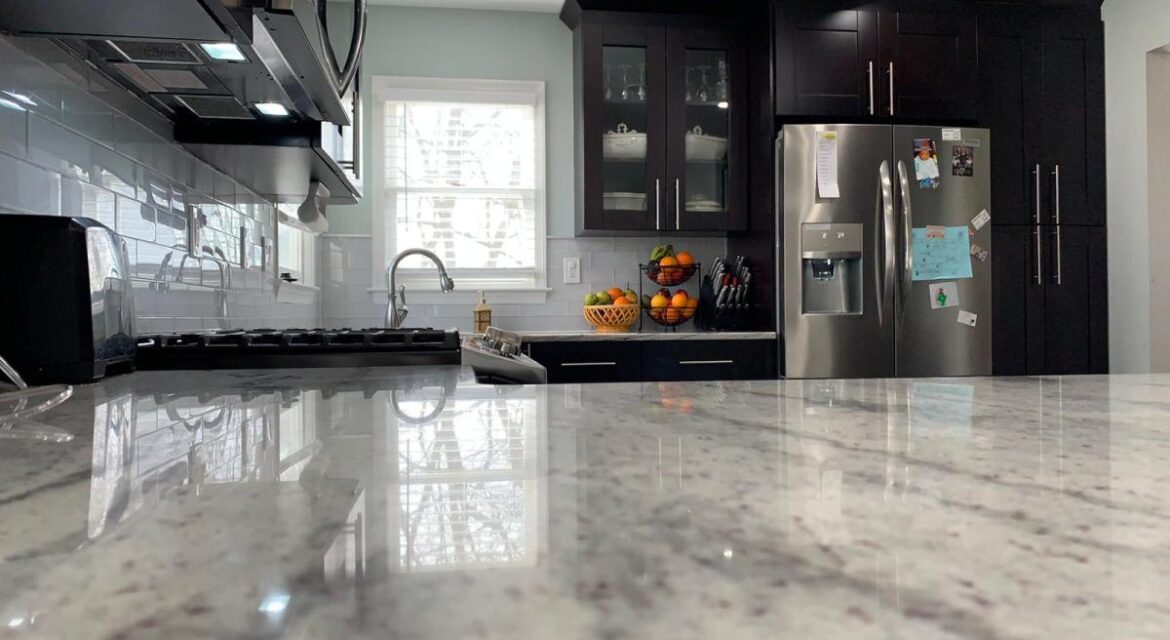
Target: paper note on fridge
(827,186)
(945,258)
(968,318)
(944,295)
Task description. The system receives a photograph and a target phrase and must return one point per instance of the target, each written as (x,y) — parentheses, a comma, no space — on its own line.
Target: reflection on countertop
(414,503)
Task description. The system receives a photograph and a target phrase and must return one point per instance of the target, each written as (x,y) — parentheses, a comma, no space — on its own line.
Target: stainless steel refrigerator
(886,251)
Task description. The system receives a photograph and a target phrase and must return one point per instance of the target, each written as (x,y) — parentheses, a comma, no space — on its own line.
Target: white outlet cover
(572,268)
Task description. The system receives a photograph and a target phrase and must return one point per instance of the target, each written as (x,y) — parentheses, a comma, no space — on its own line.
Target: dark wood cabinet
(876,62)
(655,361)
(661,124)
(1051,315)
(826,61)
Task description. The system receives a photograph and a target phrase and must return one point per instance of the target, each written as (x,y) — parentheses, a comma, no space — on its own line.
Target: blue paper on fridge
(942,253)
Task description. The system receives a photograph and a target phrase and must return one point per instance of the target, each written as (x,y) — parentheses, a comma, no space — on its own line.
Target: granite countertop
(414,503)
(587,335)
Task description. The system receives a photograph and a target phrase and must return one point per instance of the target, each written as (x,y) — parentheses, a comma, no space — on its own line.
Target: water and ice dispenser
(831,265)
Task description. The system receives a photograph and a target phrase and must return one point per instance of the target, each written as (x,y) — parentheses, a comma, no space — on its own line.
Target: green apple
(590,299)
(603,298)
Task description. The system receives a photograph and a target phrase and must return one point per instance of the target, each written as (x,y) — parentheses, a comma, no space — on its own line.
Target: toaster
(66,305)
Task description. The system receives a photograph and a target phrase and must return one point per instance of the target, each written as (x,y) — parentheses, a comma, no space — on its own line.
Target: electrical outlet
(573,396)
(573,270)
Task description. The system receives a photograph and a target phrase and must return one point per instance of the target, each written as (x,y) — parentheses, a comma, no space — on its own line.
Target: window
(459,170)
(293,245)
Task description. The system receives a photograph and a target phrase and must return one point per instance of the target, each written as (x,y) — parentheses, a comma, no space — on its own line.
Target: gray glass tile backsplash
(64,151)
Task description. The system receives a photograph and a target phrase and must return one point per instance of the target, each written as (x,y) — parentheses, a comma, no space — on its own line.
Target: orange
(616,293)
(673,315)
(668,261)
(622,301)
(684,259)
(659,301)
(692,303)
(679,300)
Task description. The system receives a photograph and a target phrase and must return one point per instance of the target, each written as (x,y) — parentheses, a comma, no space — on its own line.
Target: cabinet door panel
(597,361)
(823,59)
(708,360)
(1018,302)
(934,58)
(706,187)
(1009,71)
(1074,115)
(623,136)
(1076,302)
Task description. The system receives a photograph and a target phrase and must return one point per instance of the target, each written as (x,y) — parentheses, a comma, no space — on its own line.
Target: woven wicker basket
(608,318)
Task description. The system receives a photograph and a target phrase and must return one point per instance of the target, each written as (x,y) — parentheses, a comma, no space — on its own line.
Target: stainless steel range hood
(252,86)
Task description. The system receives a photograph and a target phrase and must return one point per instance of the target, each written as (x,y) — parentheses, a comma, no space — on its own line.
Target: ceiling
(545,6)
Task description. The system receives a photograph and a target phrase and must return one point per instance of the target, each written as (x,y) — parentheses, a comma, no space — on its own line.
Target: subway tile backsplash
(346,277)
(64,151)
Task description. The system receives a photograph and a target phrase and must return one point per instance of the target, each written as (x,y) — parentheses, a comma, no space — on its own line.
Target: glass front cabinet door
(661,130)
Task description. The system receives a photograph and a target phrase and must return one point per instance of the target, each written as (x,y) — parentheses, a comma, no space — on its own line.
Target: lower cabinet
(654,361)
(1051,303)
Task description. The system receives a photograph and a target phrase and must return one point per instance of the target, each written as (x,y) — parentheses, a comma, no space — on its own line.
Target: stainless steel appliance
(854,302)
(68,309)
(254,88)
(496,358)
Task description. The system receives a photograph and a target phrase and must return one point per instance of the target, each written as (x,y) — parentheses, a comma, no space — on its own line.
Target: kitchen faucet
(396,304)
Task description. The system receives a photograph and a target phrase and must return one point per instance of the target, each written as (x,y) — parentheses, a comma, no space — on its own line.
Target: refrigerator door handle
(885,240)
(907,236)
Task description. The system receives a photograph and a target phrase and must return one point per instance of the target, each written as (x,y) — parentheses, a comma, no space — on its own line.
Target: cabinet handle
(871,105)
(689,362)
(1059,260)
(1039,256)
(588,364)
(1036,181)
(657,204)
(1056,201)
(891,88)
(677,205)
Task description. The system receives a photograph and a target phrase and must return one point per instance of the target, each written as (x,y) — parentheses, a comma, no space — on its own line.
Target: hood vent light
(155,52)
(223,107)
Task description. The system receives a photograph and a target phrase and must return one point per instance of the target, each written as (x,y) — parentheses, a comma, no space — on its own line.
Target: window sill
(295,293)
(415,295)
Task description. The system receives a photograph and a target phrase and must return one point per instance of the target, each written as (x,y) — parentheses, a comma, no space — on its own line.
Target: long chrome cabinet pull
(677,205)
(1036,189)
(1056,200)
(588,364)
(891,88)
(657,204)
(1039,255)
(1056,219)
(689,362)
(871,100)
(1059,258)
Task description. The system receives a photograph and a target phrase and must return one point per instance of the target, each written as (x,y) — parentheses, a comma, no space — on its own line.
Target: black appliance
(295,348)
(67,306)
(217,69)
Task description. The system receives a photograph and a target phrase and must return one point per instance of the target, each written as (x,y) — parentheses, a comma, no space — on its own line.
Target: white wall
(1133,28)
(1158,109)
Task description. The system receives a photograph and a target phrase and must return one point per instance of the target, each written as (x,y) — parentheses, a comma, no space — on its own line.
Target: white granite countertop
(586,335)
(413,503)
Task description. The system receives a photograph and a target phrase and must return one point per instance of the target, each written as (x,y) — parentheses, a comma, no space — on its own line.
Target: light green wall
(452,43)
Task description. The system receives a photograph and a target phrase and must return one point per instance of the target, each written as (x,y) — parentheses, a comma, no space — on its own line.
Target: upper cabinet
(869,62)
(661,125)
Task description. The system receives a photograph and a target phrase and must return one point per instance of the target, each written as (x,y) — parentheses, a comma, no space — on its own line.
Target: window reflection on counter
(471,489)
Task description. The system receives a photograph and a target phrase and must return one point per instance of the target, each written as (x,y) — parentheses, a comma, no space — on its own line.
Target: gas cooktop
(279,348)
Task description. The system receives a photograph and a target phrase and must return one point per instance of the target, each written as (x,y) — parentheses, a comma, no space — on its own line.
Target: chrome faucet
(396,304)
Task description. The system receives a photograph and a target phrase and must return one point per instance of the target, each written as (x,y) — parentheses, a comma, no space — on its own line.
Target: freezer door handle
(885,240)
(907,237)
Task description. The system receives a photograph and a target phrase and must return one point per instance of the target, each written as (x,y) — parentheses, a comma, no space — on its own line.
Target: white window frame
(506,285)
(305,289)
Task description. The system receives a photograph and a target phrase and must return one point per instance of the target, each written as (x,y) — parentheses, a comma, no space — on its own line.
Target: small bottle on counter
(483,314)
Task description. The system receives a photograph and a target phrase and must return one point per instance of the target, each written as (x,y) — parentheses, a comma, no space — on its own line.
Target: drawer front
(571,362)
(709,360)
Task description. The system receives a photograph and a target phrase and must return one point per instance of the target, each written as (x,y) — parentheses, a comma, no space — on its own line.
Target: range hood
(253,87)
